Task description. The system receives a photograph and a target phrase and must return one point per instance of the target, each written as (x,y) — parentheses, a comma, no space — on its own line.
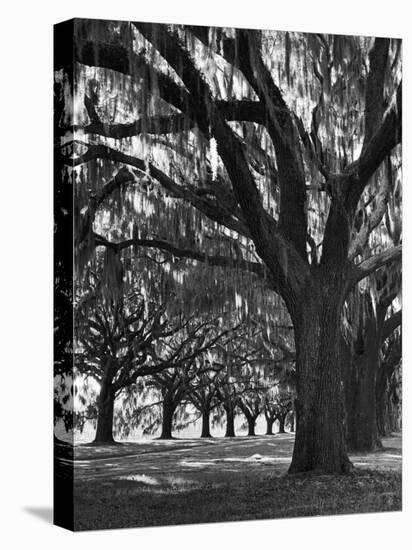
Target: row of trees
(262,167)
(137,353)
(185,401)
(137,344)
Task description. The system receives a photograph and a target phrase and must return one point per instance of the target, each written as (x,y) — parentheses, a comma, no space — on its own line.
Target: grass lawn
(178,482)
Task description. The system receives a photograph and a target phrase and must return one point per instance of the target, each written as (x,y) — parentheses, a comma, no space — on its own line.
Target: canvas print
(228,236)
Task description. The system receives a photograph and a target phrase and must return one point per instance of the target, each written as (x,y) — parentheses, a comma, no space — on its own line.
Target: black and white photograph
(205,275)
(228,342)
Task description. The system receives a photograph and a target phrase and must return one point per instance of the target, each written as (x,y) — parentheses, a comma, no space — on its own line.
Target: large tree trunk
(282,419)
(362,425)
(320,439)
(168,409)
(269,425)
(395,418)
(388,411)
(384,414)
(362,428)
(104,431)
(387,398)
(205,423)
(383,405)
(230,421)
(251,422)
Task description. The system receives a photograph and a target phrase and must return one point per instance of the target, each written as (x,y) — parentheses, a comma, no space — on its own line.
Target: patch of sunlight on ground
(254,459)
(148,480)
(198,464)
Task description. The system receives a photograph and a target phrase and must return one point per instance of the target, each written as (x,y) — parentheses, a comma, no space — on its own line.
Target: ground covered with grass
(108,506)
(193,481)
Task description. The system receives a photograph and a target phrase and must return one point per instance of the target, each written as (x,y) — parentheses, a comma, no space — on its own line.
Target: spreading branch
(391,324)
(375,262)
(271,246)
(222,210)
(219,261)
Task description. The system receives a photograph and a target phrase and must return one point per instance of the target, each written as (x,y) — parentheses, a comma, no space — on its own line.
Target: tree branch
(375,262)
(374,96)
(241,110)
(292,217)
(374,219)
(219,261)
(391,324)
(270,245)
(220,210)
(384,139)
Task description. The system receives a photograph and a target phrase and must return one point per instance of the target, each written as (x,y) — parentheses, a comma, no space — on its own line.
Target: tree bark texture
(269,426)
(362,428)
(205,423)
(282,419)
(168,409)
(230,421)
(320,439)
(104,431)
(387,404)
(251,422)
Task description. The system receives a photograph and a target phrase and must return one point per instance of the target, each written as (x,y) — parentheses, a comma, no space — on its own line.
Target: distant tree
(119,341)
(251,400)
(228,396)
(241,362)
(374,318)
(269,410)
(389,386)
(174,386)
(189,376)
(204,397)
(279,381)
(283,405)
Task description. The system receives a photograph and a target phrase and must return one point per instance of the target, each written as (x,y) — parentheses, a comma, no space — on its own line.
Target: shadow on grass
(144,503)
